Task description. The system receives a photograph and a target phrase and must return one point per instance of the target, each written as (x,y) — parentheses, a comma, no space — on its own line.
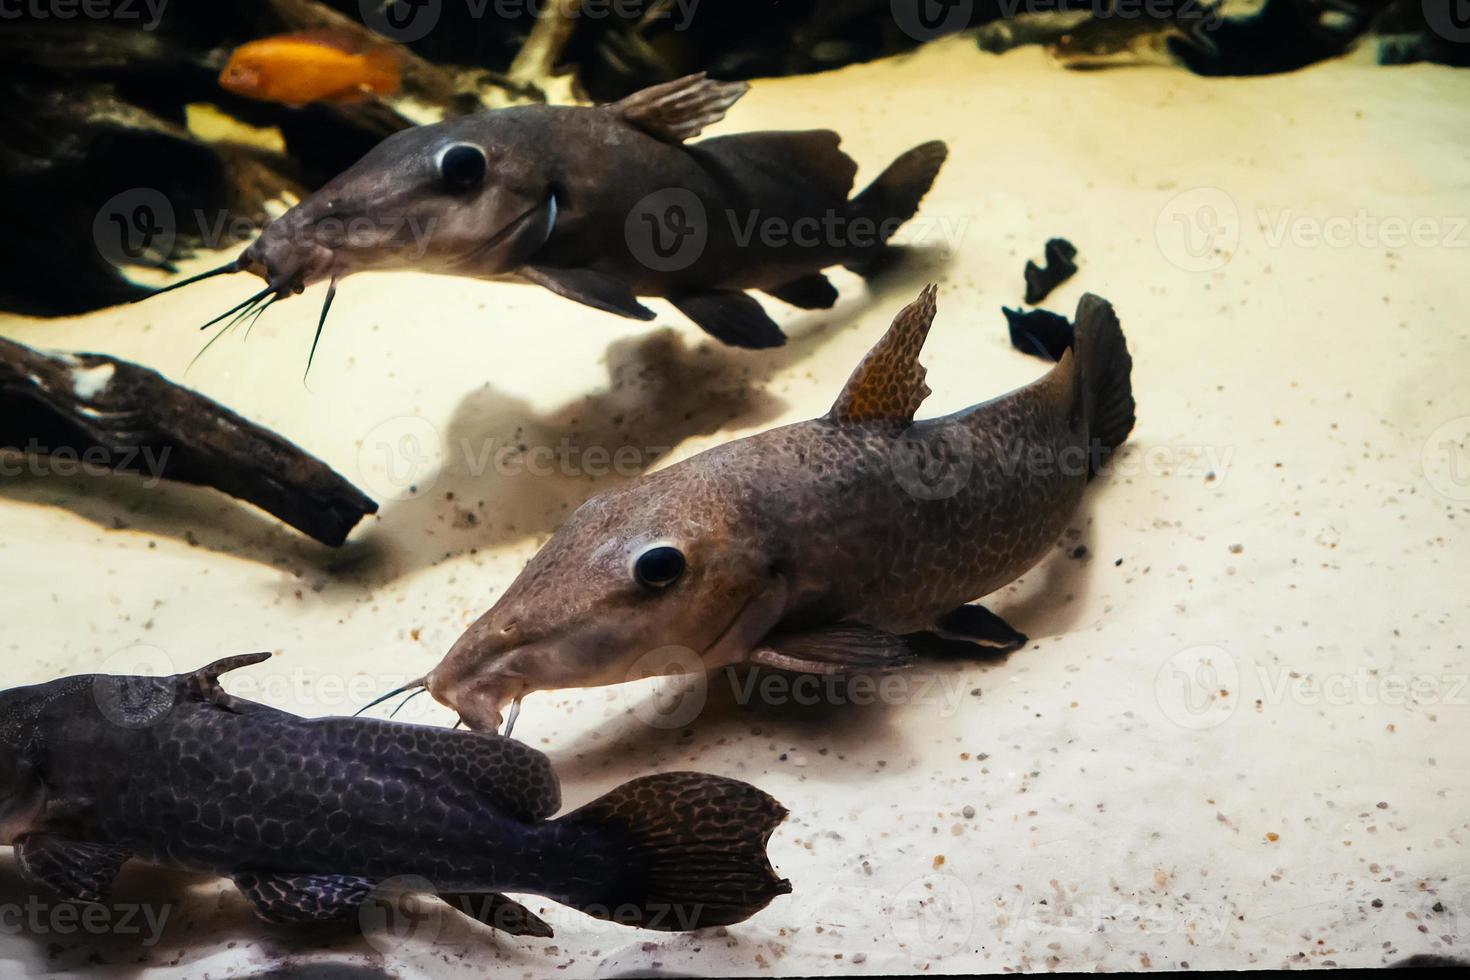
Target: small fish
(602,205)
(312,817)
(323,65)
(1116,38)
(821,547)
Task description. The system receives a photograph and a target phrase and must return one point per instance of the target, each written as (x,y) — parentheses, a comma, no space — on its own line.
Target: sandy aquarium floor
(1239,736)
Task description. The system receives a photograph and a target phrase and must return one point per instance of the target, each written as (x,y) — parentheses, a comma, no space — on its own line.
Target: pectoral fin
(978,625)
(813,292)
(731,317)
(679,110)
(75,870)
(888,386)
(498,912)
(595,289)
(303,898)
(836,649)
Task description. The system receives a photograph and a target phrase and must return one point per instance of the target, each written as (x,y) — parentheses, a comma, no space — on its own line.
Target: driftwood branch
(123,417)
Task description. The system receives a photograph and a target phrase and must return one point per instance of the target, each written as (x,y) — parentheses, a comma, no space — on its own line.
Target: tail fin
(1102,356)
(693,851)
(894,196)
(384,65)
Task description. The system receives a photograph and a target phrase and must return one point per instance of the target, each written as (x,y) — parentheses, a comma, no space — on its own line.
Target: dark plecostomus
(825,546)
(603,204)
(313,816)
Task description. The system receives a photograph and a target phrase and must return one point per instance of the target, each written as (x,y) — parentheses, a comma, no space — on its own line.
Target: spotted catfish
(311,817)
(602,205)
(823,546)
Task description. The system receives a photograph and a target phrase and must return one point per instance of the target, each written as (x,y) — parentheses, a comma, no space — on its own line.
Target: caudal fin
(894,196)
(690,848)
(1107,370)
(1101,353)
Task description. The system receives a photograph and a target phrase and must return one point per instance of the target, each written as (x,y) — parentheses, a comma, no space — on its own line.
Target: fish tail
(894,196)
(689,851)
(383,69)
(1102,357)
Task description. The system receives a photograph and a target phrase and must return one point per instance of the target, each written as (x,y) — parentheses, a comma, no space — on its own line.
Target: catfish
(602,205)
(837,545)
(313,817)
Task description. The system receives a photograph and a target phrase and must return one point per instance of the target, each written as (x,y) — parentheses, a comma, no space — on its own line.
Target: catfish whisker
(231,266)
(322,322)
(515,712)
(421,682)
(267,305)
(405,701)
(236,309)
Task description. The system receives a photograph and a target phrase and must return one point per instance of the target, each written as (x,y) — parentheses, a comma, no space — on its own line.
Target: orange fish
(312,66)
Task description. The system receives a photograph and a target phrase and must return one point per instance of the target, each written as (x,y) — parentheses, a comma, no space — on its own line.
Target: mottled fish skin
(843,521)
(181,774)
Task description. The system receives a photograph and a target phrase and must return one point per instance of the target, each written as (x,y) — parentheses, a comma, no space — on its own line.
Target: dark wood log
(127,418)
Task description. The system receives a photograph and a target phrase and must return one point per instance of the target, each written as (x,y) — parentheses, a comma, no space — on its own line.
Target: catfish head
(665,575)
(469,197)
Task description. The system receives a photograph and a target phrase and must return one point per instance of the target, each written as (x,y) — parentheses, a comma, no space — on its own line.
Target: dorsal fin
(888,386)
(679,110)
(203,684)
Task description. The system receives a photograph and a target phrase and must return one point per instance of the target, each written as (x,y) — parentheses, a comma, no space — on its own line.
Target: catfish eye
(462,166)
(659,567)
